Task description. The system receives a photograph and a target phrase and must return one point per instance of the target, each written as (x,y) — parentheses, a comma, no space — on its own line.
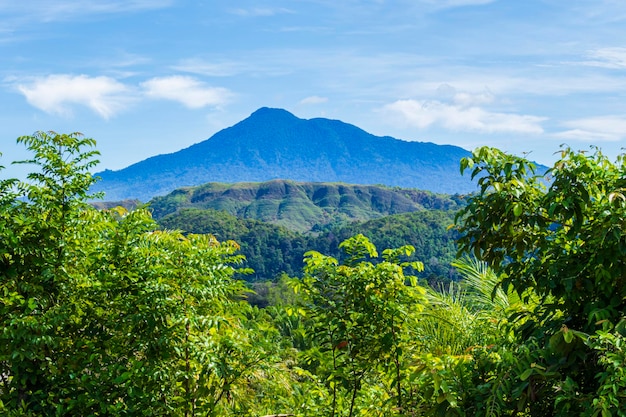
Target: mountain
(300,206)
(275,144)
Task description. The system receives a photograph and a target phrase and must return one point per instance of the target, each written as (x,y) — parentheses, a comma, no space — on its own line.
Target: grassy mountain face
(302,206)
(275,144)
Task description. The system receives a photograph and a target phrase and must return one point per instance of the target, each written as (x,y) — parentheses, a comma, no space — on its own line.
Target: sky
(148,77)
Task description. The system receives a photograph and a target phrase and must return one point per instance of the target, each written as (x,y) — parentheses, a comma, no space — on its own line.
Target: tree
(563,238)
(360,310)
(101,313)
(37,306)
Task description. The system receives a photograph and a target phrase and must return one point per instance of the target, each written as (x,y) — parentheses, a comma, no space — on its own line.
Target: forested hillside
(276,222)
(271,250)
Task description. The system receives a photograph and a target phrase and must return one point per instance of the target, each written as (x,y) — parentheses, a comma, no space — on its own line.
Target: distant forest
(272,250)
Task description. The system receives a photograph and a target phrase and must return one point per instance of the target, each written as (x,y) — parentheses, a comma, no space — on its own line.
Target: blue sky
(145,77)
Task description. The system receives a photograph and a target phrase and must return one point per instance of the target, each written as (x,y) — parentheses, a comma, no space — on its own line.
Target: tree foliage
(360,311)
(561,239)
(103,314)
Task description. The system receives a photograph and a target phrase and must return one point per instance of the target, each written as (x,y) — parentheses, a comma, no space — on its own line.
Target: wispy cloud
(508,82)
(261,11)
(190,92)
(455,117)
(601,128)
(119,64)
(447,92)
(601,11)
(211,68)
(58,93)
(404,74)
(64,10)
(314,100)
(614,58)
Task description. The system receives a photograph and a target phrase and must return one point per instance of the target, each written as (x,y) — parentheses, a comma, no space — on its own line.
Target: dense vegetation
(272,250)
(276,222)
(102,313)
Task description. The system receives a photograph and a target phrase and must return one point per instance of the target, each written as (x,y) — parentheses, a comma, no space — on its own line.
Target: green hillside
(302,206)
(271,250)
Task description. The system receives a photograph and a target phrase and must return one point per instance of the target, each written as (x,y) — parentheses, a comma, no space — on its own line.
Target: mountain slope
(301,206)
(273,144)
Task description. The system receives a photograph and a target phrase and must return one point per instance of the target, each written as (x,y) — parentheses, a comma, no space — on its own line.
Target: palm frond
(483,286)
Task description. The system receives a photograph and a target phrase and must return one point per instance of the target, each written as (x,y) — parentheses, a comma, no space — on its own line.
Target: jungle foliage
(560,244)
(104,313)
(272,250)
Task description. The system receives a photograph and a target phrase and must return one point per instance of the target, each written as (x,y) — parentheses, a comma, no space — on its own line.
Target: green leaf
(568,336)
(526,374)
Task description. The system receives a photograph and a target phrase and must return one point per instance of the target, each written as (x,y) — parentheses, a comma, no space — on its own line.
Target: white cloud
(106,96)
(601,128)
(455,117)
(614,58)
(57,93)
(468,99)
(448,93)
(186,90)
(314,100)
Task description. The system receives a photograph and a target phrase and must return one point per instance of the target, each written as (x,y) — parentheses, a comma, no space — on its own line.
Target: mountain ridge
(275,144)
(302,206)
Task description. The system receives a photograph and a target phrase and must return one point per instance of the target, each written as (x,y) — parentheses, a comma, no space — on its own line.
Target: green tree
(359,310)
(563,237)
(37,310)
(467,355)
(103,314)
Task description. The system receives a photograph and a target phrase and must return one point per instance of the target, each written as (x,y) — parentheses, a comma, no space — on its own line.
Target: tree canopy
(103,314)
(560,238)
